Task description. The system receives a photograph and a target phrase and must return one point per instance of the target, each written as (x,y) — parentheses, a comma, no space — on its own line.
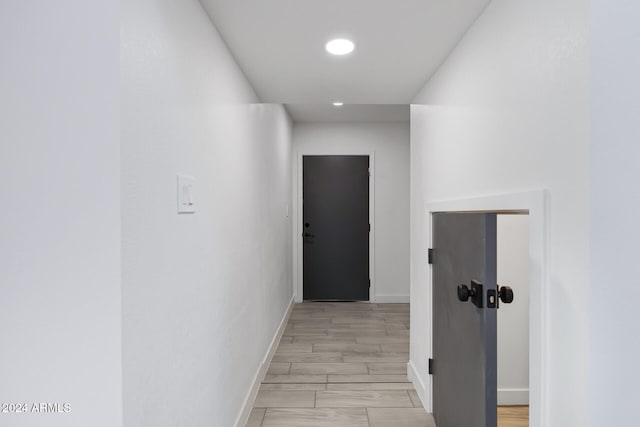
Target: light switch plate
(186,196)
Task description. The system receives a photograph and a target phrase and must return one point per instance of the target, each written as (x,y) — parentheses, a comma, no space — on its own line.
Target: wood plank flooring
(341,364)
(513,416)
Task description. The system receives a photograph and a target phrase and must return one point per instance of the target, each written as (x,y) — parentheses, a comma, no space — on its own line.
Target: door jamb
(297,218)
(535,204)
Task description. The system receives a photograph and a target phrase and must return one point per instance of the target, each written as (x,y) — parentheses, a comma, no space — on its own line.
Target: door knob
(506,294)
(474,293)
(464,293)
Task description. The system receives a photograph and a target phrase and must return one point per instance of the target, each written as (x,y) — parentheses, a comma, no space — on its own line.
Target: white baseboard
(392,299)
(513,396)
(418,384)
(243,417)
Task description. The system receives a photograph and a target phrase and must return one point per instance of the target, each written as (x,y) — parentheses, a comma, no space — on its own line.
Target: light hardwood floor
(513,416)
(341,365)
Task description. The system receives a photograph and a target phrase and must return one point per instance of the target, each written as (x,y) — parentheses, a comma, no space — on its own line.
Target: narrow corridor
(341,364)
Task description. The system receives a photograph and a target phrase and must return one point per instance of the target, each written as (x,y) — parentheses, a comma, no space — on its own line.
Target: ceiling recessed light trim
(338,104)
(340,46)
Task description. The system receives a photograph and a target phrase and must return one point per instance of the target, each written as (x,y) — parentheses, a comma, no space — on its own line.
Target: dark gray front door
(335,227)
(464,335)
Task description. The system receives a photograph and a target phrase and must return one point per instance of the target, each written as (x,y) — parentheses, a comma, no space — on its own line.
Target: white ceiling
(348,113)
(279,44)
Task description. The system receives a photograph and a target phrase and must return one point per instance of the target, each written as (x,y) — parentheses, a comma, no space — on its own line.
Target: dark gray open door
(335,227)
(464,332)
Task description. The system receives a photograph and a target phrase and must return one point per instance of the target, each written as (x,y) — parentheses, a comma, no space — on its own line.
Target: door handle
(506,294)
(464,293)
(474,292)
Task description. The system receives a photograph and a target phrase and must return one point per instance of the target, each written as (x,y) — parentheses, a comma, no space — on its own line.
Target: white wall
(203,293)
(513,319)
(60,301)
(508,112)
(615,209)
(390,143)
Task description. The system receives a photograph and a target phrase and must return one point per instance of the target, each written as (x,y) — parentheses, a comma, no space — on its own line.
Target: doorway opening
(512,239)
(530,208)
(480,337)
(336,227)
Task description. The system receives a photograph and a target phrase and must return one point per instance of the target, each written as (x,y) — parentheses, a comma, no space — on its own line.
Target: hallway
(152,236)
(341,364)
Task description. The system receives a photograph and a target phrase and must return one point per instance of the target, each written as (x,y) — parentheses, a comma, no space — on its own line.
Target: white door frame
(535,204)
(297,219)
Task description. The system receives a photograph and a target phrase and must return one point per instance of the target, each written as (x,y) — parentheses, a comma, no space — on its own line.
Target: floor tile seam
(264,414)
(385,382)
(285,407)
(364,407)
(304,383)
(270,408)
(335,407)
(413,405)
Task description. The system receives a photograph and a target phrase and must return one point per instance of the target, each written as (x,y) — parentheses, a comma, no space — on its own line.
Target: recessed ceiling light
(340,46)
(338,104)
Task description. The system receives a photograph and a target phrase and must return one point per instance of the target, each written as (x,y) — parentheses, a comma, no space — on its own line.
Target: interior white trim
(535,203)
(297,219)
(243,417)
(418,384)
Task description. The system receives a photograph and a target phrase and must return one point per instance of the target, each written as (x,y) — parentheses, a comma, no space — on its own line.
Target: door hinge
(369,283)
(430,366)
(369,171)
(430,256)
(369,227)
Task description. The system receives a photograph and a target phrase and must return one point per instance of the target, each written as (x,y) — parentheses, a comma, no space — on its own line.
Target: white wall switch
(186,190)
